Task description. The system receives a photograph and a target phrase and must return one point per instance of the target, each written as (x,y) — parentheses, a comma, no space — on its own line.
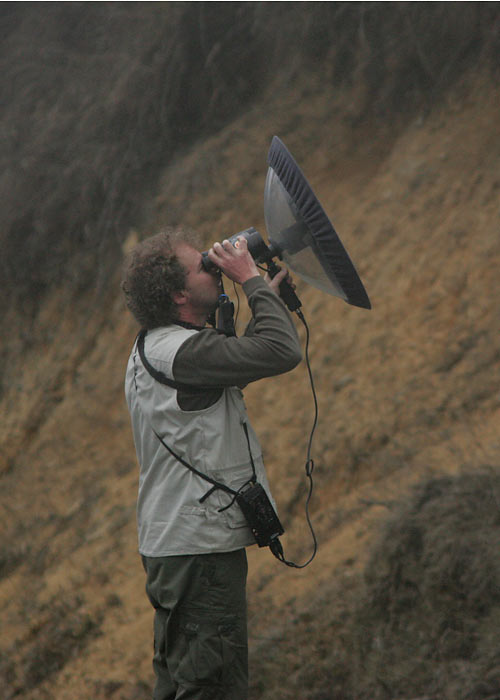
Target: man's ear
(180,298)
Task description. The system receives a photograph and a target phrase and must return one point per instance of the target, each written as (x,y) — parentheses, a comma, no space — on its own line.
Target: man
(192,533)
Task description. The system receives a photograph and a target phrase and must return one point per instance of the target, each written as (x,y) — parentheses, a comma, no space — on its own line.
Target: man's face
(202,288)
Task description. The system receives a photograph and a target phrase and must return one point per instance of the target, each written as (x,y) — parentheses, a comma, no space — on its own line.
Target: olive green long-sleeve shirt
(270,346)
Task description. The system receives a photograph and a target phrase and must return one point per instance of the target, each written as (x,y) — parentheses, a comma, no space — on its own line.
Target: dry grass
(422,620)
(58,632)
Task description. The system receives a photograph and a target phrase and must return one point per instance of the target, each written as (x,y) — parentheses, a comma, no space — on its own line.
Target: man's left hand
(275,282)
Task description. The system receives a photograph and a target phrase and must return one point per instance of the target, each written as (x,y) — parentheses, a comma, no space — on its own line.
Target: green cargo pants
(200,648)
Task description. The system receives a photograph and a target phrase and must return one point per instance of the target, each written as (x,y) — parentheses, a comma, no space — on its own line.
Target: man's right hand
(234,261)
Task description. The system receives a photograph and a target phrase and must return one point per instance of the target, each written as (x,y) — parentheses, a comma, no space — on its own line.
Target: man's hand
(274,283)
(234,261)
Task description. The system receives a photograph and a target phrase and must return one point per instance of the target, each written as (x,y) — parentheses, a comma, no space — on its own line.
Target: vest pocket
(235,478)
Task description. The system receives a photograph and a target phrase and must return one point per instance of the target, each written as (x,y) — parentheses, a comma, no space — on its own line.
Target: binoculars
(257,248)
(261,253)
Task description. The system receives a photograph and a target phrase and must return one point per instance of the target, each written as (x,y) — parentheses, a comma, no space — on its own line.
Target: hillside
(403,598)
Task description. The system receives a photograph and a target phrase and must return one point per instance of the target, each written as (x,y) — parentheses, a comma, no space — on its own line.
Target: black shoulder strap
(161,376)
(163,379)
(205,477)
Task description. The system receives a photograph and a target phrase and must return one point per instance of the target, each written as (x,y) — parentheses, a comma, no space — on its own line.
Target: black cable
(237,303)
(275,546)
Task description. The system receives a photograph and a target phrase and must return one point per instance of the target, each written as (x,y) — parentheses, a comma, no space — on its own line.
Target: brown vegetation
(123,117)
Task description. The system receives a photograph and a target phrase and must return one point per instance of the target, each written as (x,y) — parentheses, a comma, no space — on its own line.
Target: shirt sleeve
(269,347)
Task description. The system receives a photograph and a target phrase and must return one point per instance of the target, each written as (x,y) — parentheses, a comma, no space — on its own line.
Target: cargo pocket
(160,621)
(210,653)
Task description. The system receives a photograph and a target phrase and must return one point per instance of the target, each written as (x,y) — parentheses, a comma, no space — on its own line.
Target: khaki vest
(171,519)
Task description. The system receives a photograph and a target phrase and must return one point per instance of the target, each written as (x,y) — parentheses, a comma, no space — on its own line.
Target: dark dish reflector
(303,234)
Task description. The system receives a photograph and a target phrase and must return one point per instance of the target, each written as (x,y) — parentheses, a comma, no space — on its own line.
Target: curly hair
(152,274)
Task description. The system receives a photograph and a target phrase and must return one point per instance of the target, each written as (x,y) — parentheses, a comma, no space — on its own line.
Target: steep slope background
(124,117)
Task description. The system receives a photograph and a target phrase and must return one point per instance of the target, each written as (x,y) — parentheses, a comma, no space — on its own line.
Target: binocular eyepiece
(257,248)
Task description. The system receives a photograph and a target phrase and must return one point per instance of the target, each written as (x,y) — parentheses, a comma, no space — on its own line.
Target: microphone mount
(300,234)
